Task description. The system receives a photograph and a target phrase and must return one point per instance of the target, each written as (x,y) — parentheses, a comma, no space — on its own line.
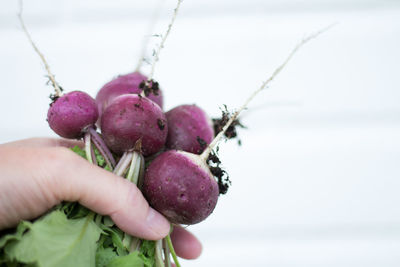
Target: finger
(107,194)
(186,245)
(45,142)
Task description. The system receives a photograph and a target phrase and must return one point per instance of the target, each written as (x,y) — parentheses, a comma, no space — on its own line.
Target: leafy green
(101,162)
(56,241)
(147,262)
(22,227)
(79,151)
(116,237)
(74,210)
(131,260)
(100,159)
(9,238)
(147,252)
(104,256)
(107,221)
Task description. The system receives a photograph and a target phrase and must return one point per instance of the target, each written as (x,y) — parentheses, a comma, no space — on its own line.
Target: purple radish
(130,118)
(189,129)
(72,114)
(124,84)
(181,187)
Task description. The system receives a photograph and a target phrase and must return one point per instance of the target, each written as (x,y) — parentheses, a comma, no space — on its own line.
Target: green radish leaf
(10,238)
(104,256)
(21,228)
(54,240)
(100,160)
(116,240)
(107,221)
(77,211)
(67,207)
(147,252)
(148,248)
(131,260)
(102,242)
(147,261)
(79,151)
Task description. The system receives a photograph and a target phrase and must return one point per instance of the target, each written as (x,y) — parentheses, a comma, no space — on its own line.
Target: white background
(316,182)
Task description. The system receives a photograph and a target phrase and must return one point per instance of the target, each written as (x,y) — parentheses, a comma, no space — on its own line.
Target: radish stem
(57,88)
(137,173)
(135,244)
(119,164)
(158,254)
(123,163)
(94,159)
(171,248)
(141,169)
(88,147)
(126,241)
(102,147)
(133,172)
(234,116)
(167,259)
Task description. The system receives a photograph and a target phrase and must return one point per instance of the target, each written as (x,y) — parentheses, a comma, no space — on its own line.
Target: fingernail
(156,222)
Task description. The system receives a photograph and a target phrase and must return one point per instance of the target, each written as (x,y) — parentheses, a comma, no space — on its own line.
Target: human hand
(39,173)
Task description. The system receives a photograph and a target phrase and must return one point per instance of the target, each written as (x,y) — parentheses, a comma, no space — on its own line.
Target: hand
(39,173)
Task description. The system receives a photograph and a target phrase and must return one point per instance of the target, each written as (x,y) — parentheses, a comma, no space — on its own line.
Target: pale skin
(37,174)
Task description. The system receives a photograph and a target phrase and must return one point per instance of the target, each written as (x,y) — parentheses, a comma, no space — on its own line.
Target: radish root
(236,114)
(146,38)
(164,38)
(57,88)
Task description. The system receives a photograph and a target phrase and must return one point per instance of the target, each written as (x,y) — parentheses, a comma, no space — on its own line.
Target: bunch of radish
(168,155)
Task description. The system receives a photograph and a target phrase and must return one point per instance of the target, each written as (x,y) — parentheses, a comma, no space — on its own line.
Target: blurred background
(316,180)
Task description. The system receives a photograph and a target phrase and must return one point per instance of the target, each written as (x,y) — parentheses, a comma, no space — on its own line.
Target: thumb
(107,194)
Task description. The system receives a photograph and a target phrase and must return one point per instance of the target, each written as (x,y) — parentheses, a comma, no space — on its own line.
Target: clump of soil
(53,97)
(161,124)
(219,124)
(220,174)
(202,143)
(149,87)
